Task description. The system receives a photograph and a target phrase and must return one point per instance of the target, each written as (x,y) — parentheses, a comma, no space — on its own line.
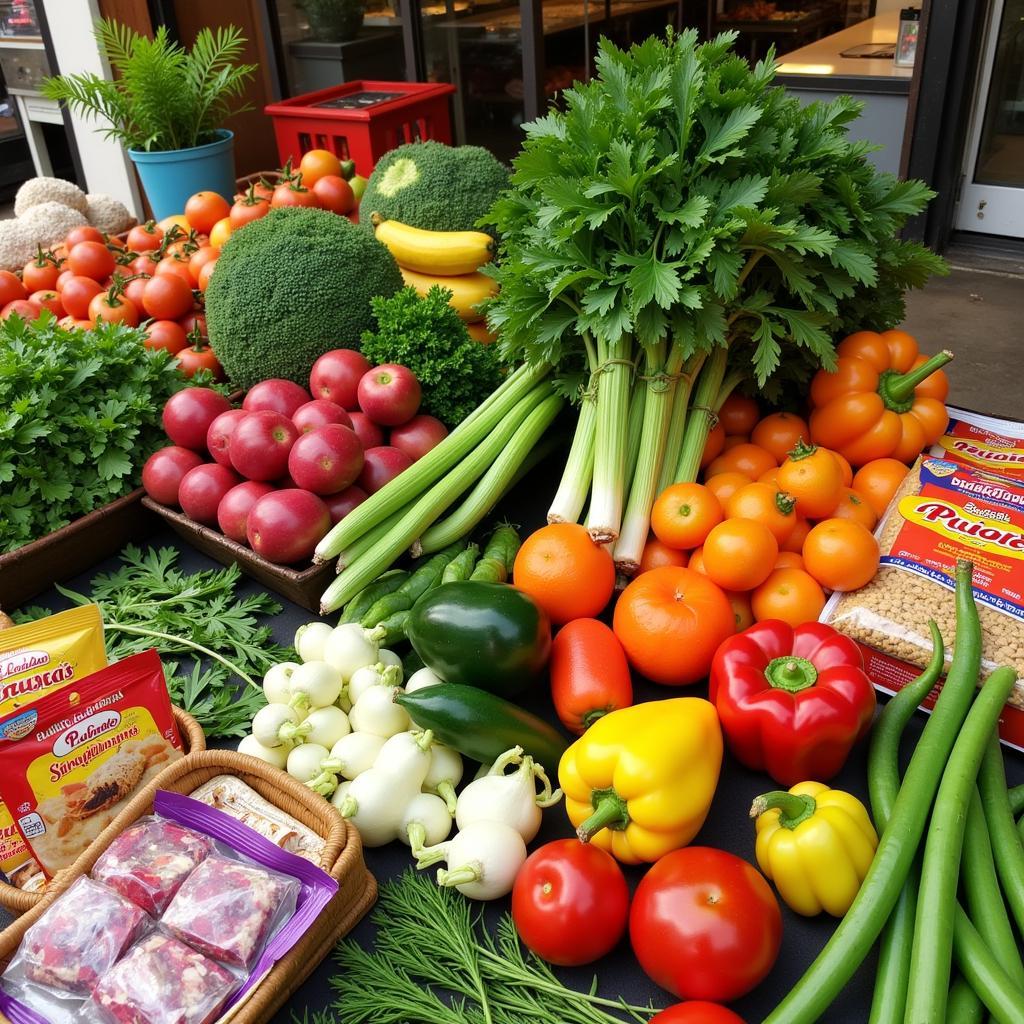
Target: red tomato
(133,290)
(203,255)
(47,298)
(145,237)
(23,308)
(204,209)
(62,278)
(194,320)
(570,902)
(167,335)
(11,288)
(287,194)
(199,357)
(696,1012)
(77,293)
(705,924)
(204,275)
(334,193)
(113,309)
(172,266)
(246,210)
(85,233)
(40,274)
(167,297)
(91,259)
(144,264)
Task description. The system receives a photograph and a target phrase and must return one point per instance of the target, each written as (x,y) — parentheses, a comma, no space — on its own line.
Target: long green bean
(963,1006)
(1007,848)
(977,964)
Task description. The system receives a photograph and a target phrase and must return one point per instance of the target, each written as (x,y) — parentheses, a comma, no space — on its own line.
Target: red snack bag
(148,862)
(81,752)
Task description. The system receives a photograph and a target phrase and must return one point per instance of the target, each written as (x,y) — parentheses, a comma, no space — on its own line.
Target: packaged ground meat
(148,862)
(78,939)
(162,981)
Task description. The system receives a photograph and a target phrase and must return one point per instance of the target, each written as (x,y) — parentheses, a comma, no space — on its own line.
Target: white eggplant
(445,774)
(354,754)
(348,648)
(377,712)
(483,860)
(422,678)
(277,756)
(277,686)
(372,675)
(310,639)
(425,822)
(316,684)
(274,725)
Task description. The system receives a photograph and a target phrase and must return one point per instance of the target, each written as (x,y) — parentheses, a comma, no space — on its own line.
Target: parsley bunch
(79,414)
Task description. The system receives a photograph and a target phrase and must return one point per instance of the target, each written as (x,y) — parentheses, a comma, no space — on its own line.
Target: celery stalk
(574,486)
(680,408)
(703,413)
(613,378)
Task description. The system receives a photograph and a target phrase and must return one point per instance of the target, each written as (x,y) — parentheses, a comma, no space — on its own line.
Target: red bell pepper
(792,702)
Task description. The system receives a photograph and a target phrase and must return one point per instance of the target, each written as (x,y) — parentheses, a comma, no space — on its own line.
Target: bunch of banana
(450,259)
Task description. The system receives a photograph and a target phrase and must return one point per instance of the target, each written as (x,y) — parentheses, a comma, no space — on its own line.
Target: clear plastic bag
(148,862)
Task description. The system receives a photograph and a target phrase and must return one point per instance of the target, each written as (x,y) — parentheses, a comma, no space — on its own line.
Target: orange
(779,432)
(657,554)
(877,481)
(841,554)
(853,506)
(565,572)
(684,515)
(724,485)
(740,553)
(792,595)
(738,414)
(743,458)
(713,446)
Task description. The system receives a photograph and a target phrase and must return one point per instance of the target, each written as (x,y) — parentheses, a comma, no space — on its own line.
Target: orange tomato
(770,477)
(743,458)
(732,440)
(766,504)
(220,232)
(877,481)
(743,614)
(713,446)
(845,469)
(316,164)
(565,572)
(789,560)
(178,220)
(725,485)
(738,414)
(779,433)
(203,255)
(204,209)
(792,595)
(684,515)
(204,274)
(814,478)
(657,554)
(795,541)
(670,622)
(696,562)
(853,506)
(841,554)
(740,553)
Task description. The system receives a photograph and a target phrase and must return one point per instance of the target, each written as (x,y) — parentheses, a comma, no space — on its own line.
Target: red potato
(326,460)
(319,413)
(234,508)
(283,396)
(188,414)
(381,466)
(222,429)
(202,490)
(285,526)
(417,436)
(261,443)
(369,434)
(389,394)
(336,375)
(339,505)
(163,472)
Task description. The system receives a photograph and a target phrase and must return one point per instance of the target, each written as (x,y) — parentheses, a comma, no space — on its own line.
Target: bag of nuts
(942,512)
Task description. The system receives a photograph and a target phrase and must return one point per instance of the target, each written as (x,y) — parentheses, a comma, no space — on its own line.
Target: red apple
(389,394)
(418,436)
(285,526)
(163,472)
(218,437)
(339,505)
(369,434)
(261,443)
(380,466)
(326,460)
(275,395)
(234,508)
(319,413)
(335,375)
(203,488)
(188,414)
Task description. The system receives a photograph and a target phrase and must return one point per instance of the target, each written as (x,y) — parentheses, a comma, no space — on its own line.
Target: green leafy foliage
(79,415)
(681,198)
(425,334)
(164,96)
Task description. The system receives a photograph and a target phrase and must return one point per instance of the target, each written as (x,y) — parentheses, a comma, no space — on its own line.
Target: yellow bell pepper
(816,844)
(639,782)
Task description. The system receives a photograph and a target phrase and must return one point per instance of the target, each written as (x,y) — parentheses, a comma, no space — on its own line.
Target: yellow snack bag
(37,658)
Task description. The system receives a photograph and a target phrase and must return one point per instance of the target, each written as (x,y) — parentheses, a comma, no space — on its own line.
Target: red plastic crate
(417,112)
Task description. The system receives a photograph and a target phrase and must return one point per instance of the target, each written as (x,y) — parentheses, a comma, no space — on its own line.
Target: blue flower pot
(171,176)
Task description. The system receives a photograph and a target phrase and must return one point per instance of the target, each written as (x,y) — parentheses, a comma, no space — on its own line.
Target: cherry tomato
(713,446)
(334,193)
(11,288)
(246,210)
(795,541)
(878,481)
(684,514)
(263,189)
(696,1012)
(41,273)
(145,237)
(764,504)
(741,610)
(853,506)
(193,321)
(165,334)
(779,433)
(742,458)
(696,562)
(705,924)
(113,309)
(657,554)
(841,554)
(76,294)
(814,478)
(84,233)
(316,164)
(167,297)
(91,259)
(738,414)
(221,233)
(204,274)
(204,209)
(845,469)
(47,298)
(24,308)
(740,553)
(734,440)
(134,289)
(171,265)
(570,902)
(589,674)
(724,485)
(203,255)
(199,357)
(770,477)
(290,194)
(62,277)
(144,264)
(789,560)
(792,595)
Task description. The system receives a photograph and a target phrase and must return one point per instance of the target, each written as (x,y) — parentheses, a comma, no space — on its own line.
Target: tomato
(854,506)
(779,433)
(172,266)
(204,209)
(193,321)
(589,674)
(245,212)
(814,478)
(734,440)
(877,481)
(11,288)
(316,164)
(795,541)
(696,562)
(742,458)
(724,485)
(199,357)
(841,554)
(766,504)
(221,233)
(203,255)
(64,276)
(167,297)
(792,595)
(91,259)
(570,902)
(168,335)
(113,309)
(145,237)
(770,477)
(77,293)
(133,291)
(47,298)
(290,194)
(705,924)
(696,1012)
(789,560)
(334,193)
(83,233)
(713,446)
(742,613)
(205,273)
(41,273)
(143,265)
(845,469)
(738,414)
(657,554)
(24,308)
(684,515)
(739,554)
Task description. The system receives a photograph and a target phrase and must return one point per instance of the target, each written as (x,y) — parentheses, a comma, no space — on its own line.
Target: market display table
(728,827)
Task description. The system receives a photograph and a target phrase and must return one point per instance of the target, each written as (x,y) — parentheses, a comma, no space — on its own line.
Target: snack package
(162,981)
(148,862)
(74,757)
(983,443)
(35,659)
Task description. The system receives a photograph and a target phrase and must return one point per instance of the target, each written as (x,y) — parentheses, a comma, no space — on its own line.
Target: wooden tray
(303,586)
(342,859)
(18,901)
(72,549)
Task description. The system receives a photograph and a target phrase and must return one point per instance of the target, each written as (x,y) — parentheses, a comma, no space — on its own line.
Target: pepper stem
(592,716)
(794,808)
(610,811)
(897,389)
(791,674)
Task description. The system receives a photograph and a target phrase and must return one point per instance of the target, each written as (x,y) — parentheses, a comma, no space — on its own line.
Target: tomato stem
(790,673)
(610,811)
(897,389)
(794,808)
(801,450)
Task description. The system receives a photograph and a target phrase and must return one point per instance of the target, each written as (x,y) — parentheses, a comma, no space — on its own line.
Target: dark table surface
(727,827)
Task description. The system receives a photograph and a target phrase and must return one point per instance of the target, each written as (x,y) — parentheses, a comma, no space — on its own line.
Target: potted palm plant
(167,105)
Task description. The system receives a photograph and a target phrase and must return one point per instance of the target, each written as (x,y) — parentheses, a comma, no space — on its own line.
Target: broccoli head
(433,186)
(289,287)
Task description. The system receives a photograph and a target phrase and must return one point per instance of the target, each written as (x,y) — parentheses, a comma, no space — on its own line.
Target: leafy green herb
(195,619)
(434,963)
(425,334)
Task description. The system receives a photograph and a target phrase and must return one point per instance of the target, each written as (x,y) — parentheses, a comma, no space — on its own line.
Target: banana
(445,253)
(467,290)
(478,332)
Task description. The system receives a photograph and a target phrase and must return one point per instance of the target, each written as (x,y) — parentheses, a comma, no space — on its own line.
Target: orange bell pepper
(884,399)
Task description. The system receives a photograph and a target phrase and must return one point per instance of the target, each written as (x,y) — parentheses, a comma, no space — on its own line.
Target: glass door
(992,198)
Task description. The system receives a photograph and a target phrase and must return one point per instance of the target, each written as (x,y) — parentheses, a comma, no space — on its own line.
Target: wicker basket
(17,901)
(342,859)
